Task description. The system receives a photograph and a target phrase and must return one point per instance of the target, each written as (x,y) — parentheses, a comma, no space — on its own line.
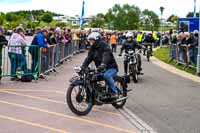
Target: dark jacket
(101,55)
(149,39)
(130,45)
(3,41)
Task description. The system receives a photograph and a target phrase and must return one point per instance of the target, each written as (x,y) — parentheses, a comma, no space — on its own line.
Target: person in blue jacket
(39,41)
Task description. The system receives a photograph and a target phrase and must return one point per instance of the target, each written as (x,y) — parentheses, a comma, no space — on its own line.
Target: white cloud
(92,7)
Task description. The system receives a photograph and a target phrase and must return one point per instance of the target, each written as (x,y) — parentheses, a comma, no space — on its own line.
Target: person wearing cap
(15,52)
(39,41)
(3,43)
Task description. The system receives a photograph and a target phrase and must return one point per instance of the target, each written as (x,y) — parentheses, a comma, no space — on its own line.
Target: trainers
(19,74)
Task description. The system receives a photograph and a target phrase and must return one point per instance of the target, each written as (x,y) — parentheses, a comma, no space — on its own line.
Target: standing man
(113,42)
(40,40)
(3,43)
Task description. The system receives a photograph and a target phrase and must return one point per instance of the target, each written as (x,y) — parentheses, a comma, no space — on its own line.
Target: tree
(61,24)
(1,20)
(47,17)
(150,20)
(98,21)
(173,19)
(124,17)
(191,14)
(11,17)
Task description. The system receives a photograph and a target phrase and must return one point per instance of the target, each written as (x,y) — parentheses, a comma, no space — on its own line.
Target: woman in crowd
(15,52)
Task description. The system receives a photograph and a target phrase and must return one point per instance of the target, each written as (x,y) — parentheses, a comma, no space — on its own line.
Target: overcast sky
(92,7)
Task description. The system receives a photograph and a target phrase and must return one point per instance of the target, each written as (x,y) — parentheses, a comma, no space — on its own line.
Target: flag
(82,15)
(195,4)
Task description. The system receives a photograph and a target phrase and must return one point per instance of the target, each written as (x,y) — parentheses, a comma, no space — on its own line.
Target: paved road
(167,102)
(41,108)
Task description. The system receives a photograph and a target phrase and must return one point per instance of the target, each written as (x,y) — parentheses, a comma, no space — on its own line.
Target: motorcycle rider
(104,60)
(132,44)
(149,40)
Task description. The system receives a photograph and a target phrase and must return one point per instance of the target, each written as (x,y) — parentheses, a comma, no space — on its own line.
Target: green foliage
(30,25)
(11,17)
(150,20)
(124,17)
(61,24)
(173,19)
(191,14)
(47,17)
(98,21)
(1,20)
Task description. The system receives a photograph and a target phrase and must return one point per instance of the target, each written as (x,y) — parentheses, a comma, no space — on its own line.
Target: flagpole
(82,15)
(195,4)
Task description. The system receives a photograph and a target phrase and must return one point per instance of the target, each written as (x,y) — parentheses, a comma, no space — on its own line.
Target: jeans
(114,48)
(109,78)
(17,61)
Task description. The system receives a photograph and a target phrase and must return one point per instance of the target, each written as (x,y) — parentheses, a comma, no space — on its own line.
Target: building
(71,20)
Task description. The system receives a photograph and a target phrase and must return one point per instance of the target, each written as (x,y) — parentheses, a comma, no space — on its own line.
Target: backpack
(28,76)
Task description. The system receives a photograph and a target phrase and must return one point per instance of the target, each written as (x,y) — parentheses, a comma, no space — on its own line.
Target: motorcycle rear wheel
(119,84)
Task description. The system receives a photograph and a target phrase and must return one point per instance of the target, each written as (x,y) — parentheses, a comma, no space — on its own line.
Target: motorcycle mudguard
(77,82)
(81,82)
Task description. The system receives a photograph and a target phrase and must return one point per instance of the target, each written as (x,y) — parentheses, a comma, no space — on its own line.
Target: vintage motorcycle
(89,88)
(134,61)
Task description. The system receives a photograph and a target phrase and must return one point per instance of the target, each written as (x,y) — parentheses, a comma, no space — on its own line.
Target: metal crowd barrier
(37,60)
(55,56)
(181,54)
(14,58)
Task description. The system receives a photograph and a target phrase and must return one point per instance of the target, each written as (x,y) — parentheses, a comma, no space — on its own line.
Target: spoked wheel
(122,93)
(134,74)
(148,55)
(78,100)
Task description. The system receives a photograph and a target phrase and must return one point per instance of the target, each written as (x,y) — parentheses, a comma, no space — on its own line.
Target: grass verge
(163,55)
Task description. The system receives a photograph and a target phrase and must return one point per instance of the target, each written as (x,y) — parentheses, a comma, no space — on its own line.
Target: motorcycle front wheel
(78,100)
(148,55)
(134,74)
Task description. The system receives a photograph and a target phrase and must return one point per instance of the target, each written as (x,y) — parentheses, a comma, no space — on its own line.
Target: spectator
(113,42)
(3,43)
(192,45)
(39,41)
(15,51)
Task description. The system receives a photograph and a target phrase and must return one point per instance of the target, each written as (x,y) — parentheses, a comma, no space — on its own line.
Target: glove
(101,68)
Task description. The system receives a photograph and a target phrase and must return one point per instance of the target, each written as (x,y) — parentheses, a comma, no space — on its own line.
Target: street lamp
(198,56)
(161,10)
